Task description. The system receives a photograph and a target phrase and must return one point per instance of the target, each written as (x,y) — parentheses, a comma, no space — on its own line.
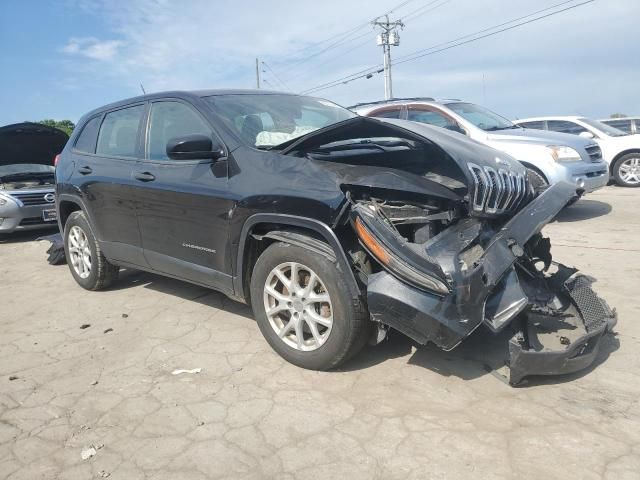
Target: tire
(80,242)
(626,170)
(344,328)
(538,181)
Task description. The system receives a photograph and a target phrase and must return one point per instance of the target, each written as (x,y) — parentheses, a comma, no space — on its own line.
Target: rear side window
(171,120)
(86,142)
(534,125)
(624,125)
(564,126)
(119,132)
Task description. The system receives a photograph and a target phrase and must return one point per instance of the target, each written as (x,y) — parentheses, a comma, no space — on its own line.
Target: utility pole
(257,74)
(387,37)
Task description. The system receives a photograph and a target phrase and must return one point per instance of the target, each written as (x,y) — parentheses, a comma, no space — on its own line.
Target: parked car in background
(334,227)
(27,192)
(619,149)
(549,157)
(630,125)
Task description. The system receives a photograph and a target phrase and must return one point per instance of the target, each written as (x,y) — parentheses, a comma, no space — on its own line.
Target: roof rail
(391,100)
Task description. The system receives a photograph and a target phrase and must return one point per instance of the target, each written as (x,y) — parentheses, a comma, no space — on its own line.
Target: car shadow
(482,353)
(26,235)
(583,210)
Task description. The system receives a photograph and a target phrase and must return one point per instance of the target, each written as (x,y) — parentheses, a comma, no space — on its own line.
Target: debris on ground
(85,325)
(88,452)
(55,252)
(108,330)
(193,370)
(125,315)
(104,474)
(13,377)
(95,382)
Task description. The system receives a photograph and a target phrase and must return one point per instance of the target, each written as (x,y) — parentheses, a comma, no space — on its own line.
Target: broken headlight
(395,265)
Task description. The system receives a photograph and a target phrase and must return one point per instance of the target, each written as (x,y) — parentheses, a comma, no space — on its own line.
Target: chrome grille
(498,191)
(595,153)
(31,198)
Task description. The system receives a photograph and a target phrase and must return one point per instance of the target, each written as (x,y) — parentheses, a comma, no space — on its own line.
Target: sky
(61,59)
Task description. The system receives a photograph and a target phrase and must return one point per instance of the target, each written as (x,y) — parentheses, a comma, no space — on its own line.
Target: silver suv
(550,157)
(27,182)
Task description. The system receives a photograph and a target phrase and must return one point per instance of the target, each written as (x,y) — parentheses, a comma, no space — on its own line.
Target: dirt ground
(87,390)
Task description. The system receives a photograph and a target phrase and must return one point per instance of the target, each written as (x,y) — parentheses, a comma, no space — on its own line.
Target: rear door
(103,167)
(183,205)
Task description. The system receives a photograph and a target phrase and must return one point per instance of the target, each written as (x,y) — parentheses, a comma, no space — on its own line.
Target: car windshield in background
(481,117)
(604,128)
(25,168)
(264,121)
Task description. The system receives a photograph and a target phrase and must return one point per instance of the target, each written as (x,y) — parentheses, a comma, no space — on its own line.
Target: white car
(619,149)
(626,124)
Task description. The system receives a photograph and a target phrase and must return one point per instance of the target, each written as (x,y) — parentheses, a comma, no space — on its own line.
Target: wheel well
(535,169)
(258,239)
(67,208)
(619,156)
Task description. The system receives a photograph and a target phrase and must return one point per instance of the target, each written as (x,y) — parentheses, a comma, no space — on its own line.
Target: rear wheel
(626,170)
(303,308)
(88,265)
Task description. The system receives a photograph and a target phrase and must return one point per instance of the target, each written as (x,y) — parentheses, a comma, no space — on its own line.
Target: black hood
(28,142)
(460,148)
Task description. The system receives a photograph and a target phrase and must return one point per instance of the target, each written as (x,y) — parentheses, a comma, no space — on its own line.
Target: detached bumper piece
(562,336)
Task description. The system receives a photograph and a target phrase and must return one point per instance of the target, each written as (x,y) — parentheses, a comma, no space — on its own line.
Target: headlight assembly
(562,153)
(395,265)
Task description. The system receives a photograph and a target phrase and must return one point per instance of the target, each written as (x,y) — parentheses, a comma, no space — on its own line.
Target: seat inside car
(251,127)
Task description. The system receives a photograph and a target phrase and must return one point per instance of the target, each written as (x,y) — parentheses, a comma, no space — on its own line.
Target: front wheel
(626,170)
(302,305)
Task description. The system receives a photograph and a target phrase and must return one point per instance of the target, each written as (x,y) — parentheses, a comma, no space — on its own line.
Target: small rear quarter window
(86,141)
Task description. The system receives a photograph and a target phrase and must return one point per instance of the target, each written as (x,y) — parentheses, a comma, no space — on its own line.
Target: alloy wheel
(630,171)
(298,306)
(79,251)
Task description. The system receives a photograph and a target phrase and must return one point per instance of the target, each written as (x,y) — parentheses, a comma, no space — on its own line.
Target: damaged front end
(443,274)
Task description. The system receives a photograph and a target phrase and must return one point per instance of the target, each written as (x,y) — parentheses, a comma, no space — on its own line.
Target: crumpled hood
(540,137)
(461,149)
(28,142)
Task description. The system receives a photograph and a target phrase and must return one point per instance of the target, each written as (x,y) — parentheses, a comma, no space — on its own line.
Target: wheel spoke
(299,334)
(276,294)
(286,329)
(318,298)
(314,331)
(277,308)
(283,278)
(311,283)
(316,318)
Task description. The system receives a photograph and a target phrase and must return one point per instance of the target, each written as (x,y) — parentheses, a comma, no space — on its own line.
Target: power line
(407,16)
(368,72)
(275,75)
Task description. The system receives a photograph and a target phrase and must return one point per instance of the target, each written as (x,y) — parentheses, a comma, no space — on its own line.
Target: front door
(183,205)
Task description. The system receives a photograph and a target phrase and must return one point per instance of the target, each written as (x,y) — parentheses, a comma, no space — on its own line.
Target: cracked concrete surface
(396,411)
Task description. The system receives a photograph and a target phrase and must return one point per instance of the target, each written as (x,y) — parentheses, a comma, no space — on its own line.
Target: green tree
(66,126)
(617,115)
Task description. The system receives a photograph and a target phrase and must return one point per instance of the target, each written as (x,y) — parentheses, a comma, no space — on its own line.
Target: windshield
(263,121)
(481,117)
(604,128)
(25,168)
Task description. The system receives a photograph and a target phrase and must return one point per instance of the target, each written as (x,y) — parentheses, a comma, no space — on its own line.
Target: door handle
(144,176)
(85,170)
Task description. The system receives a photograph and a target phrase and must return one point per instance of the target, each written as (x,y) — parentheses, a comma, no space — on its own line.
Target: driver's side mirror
(194,147)
(587,135)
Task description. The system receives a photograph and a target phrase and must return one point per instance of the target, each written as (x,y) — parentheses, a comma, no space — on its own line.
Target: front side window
(393,113)
(564,126)
(430,117)
(481,117)
(268,120)
(119,132)
(604,128)
(86,142)
(624,125)
(171,120)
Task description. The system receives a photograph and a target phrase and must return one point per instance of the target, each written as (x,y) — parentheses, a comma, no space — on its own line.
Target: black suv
(333,227)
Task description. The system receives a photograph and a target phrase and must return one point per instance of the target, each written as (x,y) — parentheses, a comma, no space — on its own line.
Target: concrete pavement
(107,391)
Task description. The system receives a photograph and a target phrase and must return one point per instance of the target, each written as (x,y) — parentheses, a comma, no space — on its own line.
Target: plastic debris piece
(85,325)
(13,377)
(193,370)
(88,452)
(108,330)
